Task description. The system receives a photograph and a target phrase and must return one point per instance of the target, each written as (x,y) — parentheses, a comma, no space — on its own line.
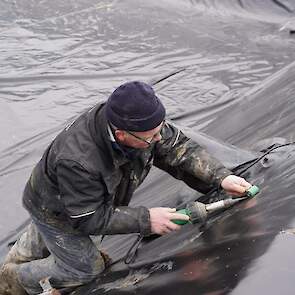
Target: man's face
(139,140)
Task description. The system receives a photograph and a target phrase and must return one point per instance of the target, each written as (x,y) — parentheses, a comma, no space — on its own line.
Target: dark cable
(263,155)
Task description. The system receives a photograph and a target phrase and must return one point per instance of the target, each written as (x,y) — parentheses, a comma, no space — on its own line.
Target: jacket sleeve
(89,207)
(186,160)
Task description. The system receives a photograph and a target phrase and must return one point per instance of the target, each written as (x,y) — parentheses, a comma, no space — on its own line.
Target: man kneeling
(84,182)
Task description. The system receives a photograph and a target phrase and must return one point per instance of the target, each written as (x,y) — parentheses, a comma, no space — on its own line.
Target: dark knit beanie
(134,106)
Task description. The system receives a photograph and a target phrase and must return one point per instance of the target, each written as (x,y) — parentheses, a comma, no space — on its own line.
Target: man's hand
(235,185)
(161,220)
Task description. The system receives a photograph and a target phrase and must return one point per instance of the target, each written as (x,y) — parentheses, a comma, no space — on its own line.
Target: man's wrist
(224,173)
(145,222)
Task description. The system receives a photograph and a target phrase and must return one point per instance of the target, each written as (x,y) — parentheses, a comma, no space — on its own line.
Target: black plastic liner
(225,72)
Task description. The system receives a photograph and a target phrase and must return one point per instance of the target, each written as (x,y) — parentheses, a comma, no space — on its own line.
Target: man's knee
(87,268)
(96,267)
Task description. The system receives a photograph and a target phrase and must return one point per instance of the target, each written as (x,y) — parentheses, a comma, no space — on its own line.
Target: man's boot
(9,283)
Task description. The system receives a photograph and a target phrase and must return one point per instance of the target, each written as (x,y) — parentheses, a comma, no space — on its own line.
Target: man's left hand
(235,185)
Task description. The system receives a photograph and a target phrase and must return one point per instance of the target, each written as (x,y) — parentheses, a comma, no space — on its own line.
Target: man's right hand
(161,220)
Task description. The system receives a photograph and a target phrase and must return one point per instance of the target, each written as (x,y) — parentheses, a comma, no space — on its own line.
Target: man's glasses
(149,141)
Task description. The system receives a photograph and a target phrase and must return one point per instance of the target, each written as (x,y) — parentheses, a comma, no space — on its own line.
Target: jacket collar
(98,126)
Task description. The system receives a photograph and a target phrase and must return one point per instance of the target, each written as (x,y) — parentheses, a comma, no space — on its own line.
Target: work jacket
(85,181)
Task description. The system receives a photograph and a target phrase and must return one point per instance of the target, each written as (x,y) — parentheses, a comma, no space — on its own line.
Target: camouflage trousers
(45,251)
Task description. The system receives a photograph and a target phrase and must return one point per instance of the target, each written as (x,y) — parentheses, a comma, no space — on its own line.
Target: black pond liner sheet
(225,72)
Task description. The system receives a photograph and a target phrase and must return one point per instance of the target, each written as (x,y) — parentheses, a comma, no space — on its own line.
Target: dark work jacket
(83,183)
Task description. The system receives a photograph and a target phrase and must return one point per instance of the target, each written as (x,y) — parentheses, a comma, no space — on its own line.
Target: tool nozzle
(252,191)
(223,204)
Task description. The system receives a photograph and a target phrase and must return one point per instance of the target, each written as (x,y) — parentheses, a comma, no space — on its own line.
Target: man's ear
(120,135)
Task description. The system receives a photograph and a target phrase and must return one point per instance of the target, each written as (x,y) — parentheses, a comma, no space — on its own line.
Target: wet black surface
(237,85)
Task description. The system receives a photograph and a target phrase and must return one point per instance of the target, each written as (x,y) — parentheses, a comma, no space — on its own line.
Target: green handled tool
(182,222)
(198,212)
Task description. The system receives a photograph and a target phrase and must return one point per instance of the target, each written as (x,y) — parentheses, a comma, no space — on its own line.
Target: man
(84,182)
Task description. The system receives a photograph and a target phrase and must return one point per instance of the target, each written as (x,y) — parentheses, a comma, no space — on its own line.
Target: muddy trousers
(68,259)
